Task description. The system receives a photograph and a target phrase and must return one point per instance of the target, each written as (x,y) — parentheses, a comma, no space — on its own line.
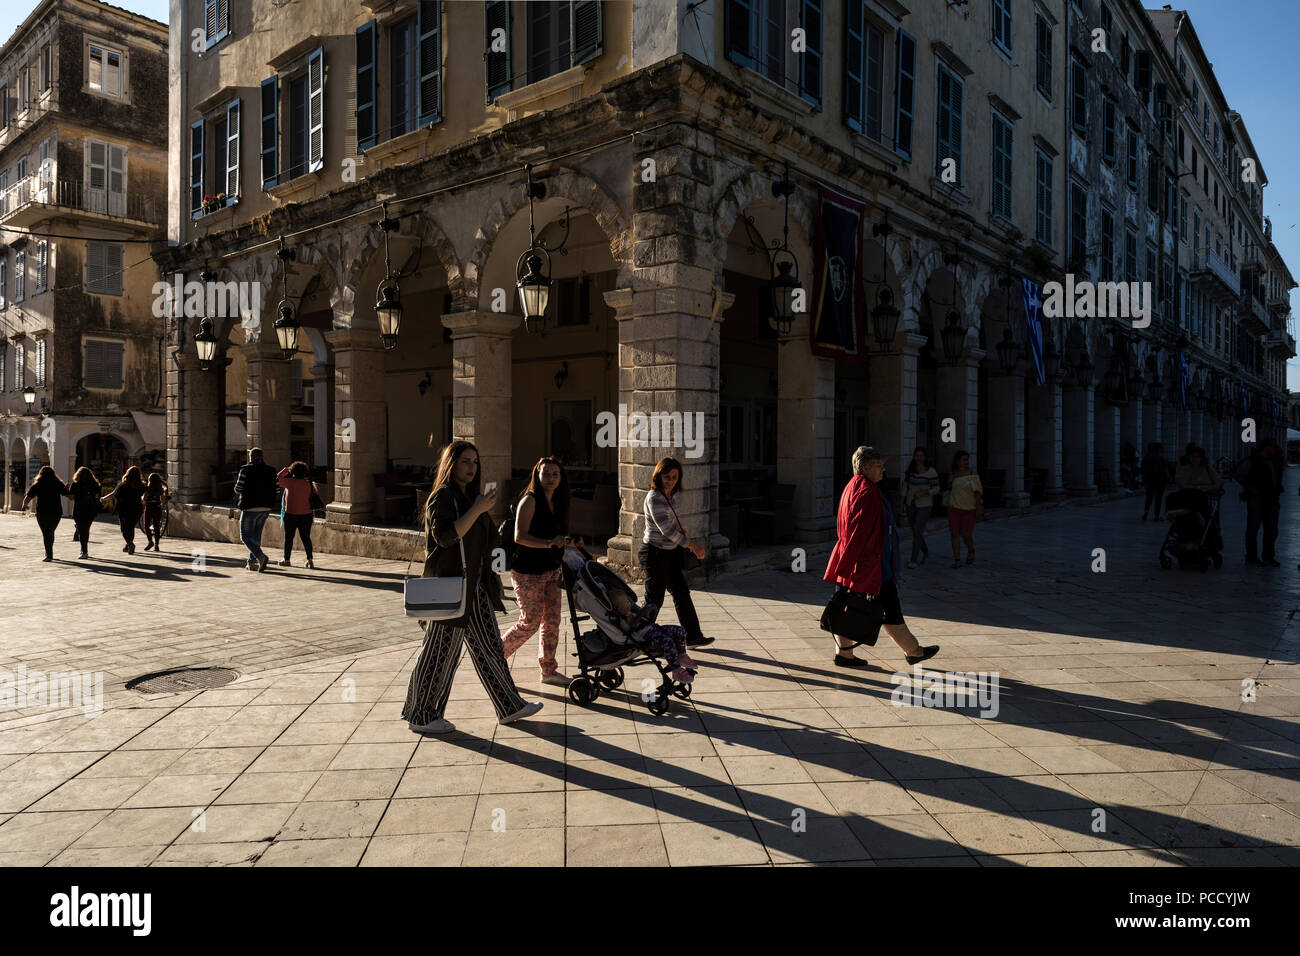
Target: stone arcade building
(658,129)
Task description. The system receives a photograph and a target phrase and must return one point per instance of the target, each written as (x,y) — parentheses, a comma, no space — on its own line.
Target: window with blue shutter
(1001,15)
(316,110)
(810,63)
(430,61)
(1043,56)
(403,84)
(40,364)
(588,30)
(499,73)
(1001,138)
(1079,95)
(948,121)
(741,27)
(853,65)
(367,134)
(216,21)
(232,151)
(196,169)
(904,92)
(874,75)
(1043,197)
(270,131)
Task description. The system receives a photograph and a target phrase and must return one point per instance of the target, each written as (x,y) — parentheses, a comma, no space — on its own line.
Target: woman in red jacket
(867,557)
(297,515)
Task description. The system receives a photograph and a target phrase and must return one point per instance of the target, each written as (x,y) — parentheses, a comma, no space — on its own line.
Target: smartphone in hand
(490,487)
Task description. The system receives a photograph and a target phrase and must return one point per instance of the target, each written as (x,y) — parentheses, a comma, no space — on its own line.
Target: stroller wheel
(682,690)
(1165,561)
(658,706)
(1218,561)
(580,691)
(611,678)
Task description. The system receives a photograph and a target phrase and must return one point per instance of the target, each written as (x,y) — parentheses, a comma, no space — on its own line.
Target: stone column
(1106,422)
(1006,424)
(805,423)
(482,389)
(323,426)
(667,362)
(7,478)
(270,401)
(892,409)
(958,387)
(360,424)
(1077,435)
(1045,431)
(192,426)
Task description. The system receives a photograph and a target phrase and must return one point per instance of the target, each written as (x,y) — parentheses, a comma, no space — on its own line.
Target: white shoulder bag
(437,599)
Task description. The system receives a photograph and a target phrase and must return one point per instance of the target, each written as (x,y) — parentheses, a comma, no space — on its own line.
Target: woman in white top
(920,485)
(664,547)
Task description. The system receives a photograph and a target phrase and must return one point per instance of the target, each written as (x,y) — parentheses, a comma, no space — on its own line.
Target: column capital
(620,300)
(481,322)
(362,340)
(905,343)
(970,358)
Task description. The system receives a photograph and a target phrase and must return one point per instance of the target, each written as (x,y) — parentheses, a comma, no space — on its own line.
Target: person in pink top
(297,515)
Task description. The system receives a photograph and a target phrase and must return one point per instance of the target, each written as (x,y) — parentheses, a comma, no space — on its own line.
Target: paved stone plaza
(1119,692)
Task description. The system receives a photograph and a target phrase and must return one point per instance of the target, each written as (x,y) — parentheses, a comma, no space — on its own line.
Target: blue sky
(1251,44)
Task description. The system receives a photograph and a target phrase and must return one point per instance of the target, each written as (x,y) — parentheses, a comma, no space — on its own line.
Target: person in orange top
(866,558)
(297,515)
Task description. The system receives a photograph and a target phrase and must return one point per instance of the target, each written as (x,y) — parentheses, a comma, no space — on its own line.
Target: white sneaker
(439,726)
(557,679)
(284,564)
(525,711)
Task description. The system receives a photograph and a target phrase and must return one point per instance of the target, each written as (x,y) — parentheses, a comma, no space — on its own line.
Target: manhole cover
(183,679)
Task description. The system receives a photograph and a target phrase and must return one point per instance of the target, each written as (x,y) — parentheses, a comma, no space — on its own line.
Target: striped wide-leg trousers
(426,697)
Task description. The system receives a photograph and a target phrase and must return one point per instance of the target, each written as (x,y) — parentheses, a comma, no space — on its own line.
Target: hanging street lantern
(1008,351)
(205,344)
(954,337)
(534,285)
(884,317)
(388,299)
(784,266)
(29,396)
(286,325)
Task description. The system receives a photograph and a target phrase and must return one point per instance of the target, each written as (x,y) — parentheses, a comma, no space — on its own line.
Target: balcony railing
(1251,312)
(1209,268)
(33,198)
(1280,342)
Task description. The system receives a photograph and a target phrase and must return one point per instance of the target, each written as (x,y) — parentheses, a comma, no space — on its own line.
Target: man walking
(255,490)
(1261,477)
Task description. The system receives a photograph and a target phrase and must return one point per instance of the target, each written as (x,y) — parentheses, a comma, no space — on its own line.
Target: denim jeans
(251,524)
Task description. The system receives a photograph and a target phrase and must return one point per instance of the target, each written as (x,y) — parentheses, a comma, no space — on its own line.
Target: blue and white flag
(1034,327)
(1182,377)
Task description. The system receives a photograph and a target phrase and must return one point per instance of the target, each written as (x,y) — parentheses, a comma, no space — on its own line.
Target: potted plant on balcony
(213,203)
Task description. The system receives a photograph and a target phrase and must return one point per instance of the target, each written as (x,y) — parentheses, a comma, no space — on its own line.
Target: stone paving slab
(1121,736)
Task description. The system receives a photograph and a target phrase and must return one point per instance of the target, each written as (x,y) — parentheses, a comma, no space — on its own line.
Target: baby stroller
(1194,539)
(612,644)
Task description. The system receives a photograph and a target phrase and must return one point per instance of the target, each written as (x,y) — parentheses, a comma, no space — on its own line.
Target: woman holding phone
(456,514)
(541,520)
(664,547)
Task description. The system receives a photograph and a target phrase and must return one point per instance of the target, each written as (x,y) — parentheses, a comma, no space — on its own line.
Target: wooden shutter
(96,165)
(853,60)
(116,180)
(232,147)
(1142,71)
(209,22)
(499,70)
(112,364)
(113,267)
(366,126)
(270,131)
(316,110)
(94,364)
(810,80)
(94,266)
(196,168)
(874,83)
(775,40)
(429,54)
(904,92)
(588,31)
(742,31)
(948,132)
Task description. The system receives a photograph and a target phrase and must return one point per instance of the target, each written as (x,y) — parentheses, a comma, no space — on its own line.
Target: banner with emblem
(836,324)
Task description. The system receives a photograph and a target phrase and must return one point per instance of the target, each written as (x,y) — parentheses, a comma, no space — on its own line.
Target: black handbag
(689,561)
(852,616)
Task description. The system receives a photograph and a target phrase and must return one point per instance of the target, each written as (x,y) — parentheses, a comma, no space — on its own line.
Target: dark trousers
(663,571)
(1261,511)
(917,518)
(1155,493)
(426,696)
(48,522)
(302,525)
(127,520)
(83,523)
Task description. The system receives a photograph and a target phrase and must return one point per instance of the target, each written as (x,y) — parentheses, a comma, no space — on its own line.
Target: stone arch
(744,190)
(364,244)
(565,183)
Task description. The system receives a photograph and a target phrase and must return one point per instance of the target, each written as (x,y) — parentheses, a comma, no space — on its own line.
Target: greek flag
(1034,327)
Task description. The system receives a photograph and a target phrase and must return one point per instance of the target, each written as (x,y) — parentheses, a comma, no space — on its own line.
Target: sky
(1249,42)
